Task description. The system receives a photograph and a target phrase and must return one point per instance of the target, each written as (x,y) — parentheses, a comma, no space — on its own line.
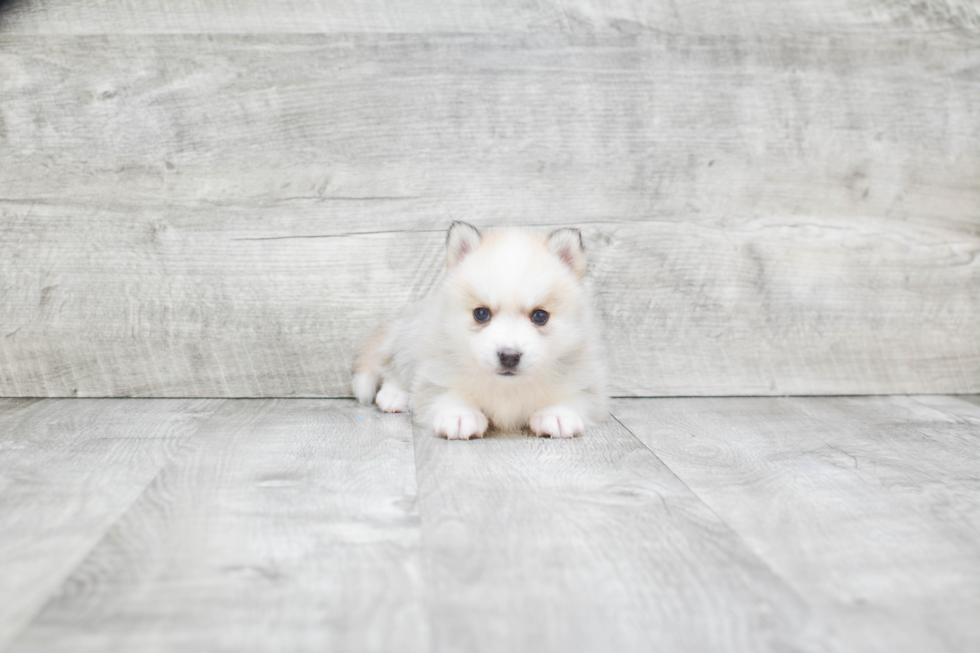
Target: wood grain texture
(758,308)
(568,16)
(282,526)
(68,470)
(588,544)
(522,128)
(868,507)
(231,215)
(814,524)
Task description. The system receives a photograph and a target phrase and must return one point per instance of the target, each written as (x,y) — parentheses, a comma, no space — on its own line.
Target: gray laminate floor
(810,524)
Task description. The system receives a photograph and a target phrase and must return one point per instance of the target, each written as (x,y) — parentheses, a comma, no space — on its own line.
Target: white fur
(392,398)
(457,420)
(558,422)
(445,367)
(365,385)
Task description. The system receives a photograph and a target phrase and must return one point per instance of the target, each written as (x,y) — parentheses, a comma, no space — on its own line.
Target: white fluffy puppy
(508,339)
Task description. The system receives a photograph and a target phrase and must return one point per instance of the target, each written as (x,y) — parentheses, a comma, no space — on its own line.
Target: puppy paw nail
(460,425)
(557,423)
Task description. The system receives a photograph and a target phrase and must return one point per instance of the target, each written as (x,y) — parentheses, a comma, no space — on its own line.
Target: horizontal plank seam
(805,37)
(618,397)
(30,403)
(350,233)
(945,411)
(797,396)
(425,231)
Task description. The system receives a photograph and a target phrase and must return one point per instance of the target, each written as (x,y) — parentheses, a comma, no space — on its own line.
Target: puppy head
(514,304)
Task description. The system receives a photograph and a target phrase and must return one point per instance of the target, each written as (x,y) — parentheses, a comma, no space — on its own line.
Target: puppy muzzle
(510,360)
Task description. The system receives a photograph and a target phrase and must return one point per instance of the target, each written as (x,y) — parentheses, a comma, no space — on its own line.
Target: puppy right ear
(461,239)
(566,244)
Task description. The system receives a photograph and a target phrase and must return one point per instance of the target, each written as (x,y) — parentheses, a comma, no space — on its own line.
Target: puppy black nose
(509,357)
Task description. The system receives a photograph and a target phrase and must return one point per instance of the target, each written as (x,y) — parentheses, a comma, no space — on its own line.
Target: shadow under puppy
(508,339)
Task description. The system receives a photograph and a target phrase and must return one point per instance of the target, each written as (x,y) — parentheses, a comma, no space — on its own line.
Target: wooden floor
(803,524)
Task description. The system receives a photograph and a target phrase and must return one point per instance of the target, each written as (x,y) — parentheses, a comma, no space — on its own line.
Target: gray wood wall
(210,198)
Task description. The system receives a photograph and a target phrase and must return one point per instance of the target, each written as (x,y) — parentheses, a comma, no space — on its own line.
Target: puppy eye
(540,317)
(482,315)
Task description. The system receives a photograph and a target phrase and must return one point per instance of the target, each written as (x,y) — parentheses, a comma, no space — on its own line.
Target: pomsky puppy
(508,340)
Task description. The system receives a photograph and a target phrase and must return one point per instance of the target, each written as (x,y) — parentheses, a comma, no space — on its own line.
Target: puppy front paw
(557,422)
(392,399)
(460,423)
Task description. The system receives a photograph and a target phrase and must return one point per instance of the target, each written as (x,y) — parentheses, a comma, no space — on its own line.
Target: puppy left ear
(567,245)
(461,239)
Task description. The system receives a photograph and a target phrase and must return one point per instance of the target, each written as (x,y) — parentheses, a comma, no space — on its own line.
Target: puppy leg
(557,422)
(365,386)
(368,366)
(457,420)
(392,398)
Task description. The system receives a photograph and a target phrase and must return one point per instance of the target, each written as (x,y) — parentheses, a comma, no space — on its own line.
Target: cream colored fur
(444,366)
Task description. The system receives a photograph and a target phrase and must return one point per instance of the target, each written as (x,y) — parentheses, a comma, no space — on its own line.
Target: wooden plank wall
(208,198)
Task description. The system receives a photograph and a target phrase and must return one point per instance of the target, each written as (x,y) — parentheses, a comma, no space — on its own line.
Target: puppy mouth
(507,373)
